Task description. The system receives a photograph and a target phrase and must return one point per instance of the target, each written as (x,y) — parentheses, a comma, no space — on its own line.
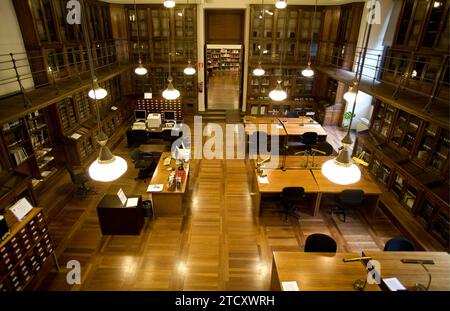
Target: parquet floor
(223,90)
(219,244)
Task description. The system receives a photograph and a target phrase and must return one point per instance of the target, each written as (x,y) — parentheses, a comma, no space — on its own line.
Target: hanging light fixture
(170,93)
(308,72)
(259,71)
(278,94)
(169,4)
(189,70)
(342,169)
(97,92)
(140,69)
(106,167)
(281,4)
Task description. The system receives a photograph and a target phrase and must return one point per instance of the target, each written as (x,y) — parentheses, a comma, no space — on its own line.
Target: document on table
(122,196)
(21,208)
(132,202)
(155,188)
(394,284)
(75,136)
(263,180)
(290,286)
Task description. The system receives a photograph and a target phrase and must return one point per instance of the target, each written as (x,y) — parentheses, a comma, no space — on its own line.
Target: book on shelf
(19,155)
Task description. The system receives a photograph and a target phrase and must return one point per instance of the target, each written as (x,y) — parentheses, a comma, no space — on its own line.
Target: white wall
(363,107)
(11,42)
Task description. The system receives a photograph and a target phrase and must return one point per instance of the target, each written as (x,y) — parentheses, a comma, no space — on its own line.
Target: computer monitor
(169,115)
(140,115)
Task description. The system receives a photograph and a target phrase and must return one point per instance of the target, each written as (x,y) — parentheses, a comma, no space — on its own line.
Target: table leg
(317,204)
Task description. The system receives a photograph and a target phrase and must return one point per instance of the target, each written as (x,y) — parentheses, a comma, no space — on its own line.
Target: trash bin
(148,208)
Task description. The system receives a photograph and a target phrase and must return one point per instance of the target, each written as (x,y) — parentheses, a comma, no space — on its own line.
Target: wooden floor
(223,90)
(219,244)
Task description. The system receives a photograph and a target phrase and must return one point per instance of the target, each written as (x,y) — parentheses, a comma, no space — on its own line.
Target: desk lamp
(260,163)
(422,262)
(286,146)
(358,284)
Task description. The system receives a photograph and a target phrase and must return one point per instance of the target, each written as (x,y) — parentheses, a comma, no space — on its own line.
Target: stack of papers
(290,286)
(132,202)
(394,284)
(263,180)
(155,188)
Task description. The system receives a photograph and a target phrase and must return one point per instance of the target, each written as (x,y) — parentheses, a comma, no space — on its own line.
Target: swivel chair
(347,199)
(399,244)
(79,177)
(320,243)
(309,139)
(290,197)
(325,147)
(144,162)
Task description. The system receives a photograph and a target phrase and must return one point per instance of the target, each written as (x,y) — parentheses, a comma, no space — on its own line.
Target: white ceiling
(239,3)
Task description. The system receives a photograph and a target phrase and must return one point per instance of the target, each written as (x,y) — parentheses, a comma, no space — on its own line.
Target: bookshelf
(224,59)
(42,146)
(408,156)
(17,141)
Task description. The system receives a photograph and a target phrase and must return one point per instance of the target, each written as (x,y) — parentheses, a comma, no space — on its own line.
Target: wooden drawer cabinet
(24,251)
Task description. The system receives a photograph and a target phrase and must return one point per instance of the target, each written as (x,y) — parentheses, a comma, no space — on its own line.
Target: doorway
(224,55)
(224,74)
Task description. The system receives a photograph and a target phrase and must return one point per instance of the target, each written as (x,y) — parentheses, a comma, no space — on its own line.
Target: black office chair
(320,243)
(290,197)
(79,177)
(292,114)
(144,162)
(254,142)
(309,139)
(325,147)
(347,199)
(399,244)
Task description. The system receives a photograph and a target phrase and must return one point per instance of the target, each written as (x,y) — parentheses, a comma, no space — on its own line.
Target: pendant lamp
(169,4)
(342,170)
(140,70)
(281,4)
(259,71)
(189,70)
(278,94)
(170,93)
(106,167)
(308,72)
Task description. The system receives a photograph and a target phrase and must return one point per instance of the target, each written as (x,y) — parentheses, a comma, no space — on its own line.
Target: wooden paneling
(225,26)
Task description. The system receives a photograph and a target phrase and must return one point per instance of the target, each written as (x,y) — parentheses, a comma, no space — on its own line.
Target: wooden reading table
(317,271)
(168,201)
(310,178)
